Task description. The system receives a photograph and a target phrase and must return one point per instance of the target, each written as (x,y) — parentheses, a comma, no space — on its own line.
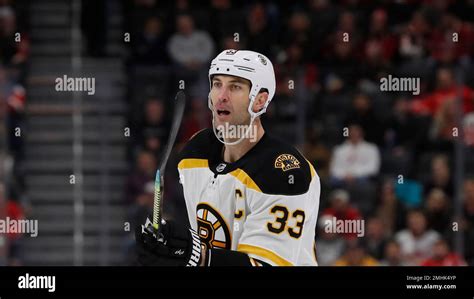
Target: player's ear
(260,101)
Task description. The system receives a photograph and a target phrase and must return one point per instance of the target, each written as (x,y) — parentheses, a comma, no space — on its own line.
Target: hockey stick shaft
(180,101)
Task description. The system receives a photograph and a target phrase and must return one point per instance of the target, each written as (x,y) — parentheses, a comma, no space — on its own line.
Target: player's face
(230,100)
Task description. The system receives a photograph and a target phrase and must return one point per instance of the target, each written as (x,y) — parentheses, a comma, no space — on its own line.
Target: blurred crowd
(387,158)
(14,52)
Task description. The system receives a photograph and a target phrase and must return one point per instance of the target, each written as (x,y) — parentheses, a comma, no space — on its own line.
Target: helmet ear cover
(261,91)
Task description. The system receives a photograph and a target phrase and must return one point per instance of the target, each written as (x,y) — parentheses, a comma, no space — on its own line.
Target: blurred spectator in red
(375,237)
(347,27)
(329,245)
(443,256)
(144,172)
(188,47)
(197,118)
(381,40)
(356,160)
(438,211)
(16,99)
(446,90)
(149,47)
(417,240)
(356,255)
(14,211)
(451,39)
(392,255)
(440,176)
(390,210)
(341,209)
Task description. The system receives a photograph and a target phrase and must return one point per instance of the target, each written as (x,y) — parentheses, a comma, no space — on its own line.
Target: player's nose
(223,94)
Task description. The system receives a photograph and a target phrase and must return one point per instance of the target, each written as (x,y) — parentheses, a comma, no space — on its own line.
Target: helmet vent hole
(217,68)
(227,69)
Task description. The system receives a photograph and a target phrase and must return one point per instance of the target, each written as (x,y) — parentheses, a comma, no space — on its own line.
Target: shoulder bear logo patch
(286,162)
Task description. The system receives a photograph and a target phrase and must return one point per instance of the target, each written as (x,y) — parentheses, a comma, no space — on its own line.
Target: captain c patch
(286,162)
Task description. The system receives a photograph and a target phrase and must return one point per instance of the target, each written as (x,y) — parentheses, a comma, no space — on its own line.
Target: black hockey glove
(172,245)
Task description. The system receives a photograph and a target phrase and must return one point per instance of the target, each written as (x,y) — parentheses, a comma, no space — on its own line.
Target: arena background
(83,165)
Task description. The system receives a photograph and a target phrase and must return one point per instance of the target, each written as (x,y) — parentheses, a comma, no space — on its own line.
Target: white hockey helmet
(250,65)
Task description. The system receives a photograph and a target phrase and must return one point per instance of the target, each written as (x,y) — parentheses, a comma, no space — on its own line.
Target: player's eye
(216,84)
(236,87)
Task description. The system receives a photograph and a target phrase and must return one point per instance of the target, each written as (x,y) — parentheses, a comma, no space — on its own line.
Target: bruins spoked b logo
(212,228)
(286,162)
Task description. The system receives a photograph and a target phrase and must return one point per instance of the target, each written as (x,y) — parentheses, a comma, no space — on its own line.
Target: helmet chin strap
(252,118)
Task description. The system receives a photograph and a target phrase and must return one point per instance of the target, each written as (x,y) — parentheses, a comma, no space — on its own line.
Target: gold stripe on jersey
(313,172)
(193,163)
(265,253)
(245,179)
(239,174)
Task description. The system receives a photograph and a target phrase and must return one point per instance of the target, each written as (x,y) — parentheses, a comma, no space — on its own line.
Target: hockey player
(252,200)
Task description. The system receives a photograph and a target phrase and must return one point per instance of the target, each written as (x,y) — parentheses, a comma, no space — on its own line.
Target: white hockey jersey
(265,204)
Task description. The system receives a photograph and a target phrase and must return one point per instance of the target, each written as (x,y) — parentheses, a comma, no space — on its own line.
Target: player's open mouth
(222,112)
